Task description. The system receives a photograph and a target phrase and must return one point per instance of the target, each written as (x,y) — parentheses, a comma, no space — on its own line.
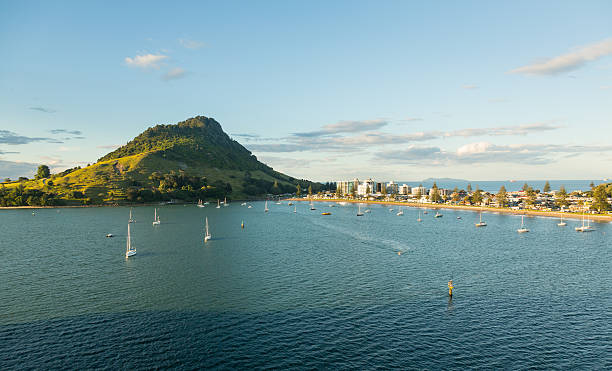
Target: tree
(600,198)
(477,197)
(592,184)
(561,197)
(469,187)
(418,194)
(525,187)
(367,189)
(502,196)
(546,187)
(434,195)
(531,196)
(310,190)
(43,172)
(298,190)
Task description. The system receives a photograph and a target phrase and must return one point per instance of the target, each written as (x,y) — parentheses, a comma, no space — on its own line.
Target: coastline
(549,214)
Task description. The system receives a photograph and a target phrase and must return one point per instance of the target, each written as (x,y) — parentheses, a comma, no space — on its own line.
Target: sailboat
(131,220)
(156,220)
(266,207)
(367,211)
(562,223)
(585,228)
(200,204)
(400,212)
(129,250)
(359,213)
(419,219)
(438,215)
(207,236)
(295,209)
(243,204)
(523,229)
(481,223)
(312,206)
(225,202)
(218,204)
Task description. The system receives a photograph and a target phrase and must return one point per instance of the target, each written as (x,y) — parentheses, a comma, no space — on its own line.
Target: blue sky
(320,90)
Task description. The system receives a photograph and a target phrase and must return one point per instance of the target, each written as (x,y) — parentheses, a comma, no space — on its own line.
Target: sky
(392,90)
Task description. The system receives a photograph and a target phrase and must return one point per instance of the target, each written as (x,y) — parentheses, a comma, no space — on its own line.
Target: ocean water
(301,290)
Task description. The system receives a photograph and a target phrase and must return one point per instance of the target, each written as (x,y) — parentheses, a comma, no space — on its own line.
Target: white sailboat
(207,235)
(243,204)
(218,204)
(130,250)
(295,208)
(562,223)
(585,228)
(419,219)
(200,204)
(367,211)
(523,229)
(312,206)
(266,207)
(225,202)
(131,220)
(156,220)
(359,213)
(438,215)
(481,223)
(400,212)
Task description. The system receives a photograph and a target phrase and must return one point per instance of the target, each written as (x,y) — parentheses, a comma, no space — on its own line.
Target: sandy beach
(605,218)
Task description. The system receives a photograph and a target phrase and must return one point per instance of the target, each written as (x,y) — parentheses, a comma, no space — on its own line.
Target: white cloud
(175,73)
(191,44)
(146,61)
(472,148)
(470,87)
(485,152)
(569,61)
(345,127)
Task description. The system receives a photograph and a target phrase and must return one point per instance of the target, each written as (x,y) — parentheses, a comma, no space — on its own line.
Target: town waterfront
(301,290)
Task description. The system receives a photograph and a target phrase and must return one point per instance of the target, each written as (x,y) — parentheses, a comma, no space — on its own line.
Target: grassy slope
(115,175)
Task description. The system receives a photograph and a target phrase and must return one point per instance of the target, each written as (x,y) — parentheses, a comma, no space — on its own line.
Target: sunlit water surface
(301,290)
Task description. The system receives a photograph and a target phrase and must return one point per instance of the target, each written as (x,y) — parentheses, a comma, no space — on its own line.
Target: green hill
(194,159)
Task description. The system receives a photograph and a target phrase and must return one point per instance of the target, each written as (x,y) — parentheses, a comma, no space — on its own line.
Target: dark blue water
(301,290)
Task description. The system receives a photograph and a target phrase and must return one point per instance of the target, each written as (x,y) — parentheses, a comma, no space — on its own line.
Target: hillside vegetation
(194,159)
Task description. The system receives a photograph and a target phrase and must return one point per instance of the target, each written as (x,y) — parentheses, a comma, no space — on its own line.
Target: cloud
(502,130)
(246,136)
(330,138)
(109,146)
(43,109)
(64,131)
(470,87)
(174,74)
(7,152)
(345,127)
(277,147)
(8,137)
(146,61)
(13,170)
(192,44)
(569,61)
(606,87)
(486,152)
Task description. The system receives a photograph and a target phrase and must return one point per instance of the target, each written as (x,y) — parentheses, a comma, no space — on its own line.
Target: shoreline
(550,214)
